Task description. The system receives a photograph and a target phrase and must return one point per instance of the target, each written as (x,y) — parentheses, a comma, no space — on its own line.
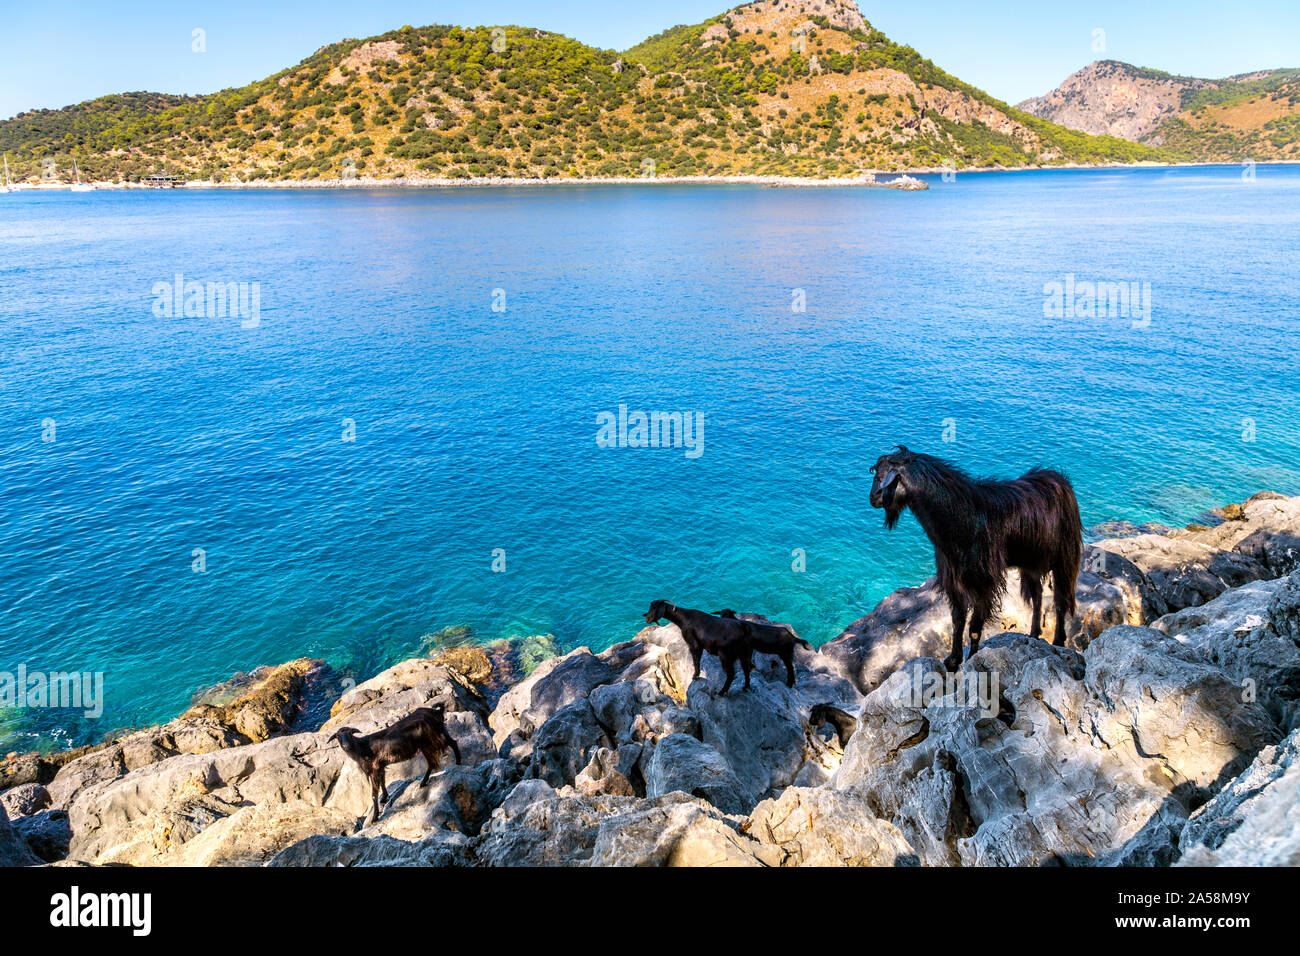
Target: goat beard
(892,514)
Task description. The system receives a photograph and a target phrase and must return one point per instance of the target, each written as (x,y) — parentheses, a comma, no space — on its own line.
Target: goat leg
(958,605)
(788,657)
(728,665)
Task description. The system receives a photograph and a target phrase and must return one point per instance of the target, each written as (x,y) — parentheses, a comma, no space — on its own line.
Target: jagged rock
(47,833)
(568,709)
(1072,757)
(19,769)
(26,799)
(437,849)
(1255,819)
(682,763)
(252,835)
(554,831)
(249,709)
(1246,632)
(119,820)
(523,795)
(550,688)
(1284,611)
(457,798)
(759,733)
(564,745)
(824,827)
(672,830)
(1191,566)
(916,622)
(606,774)
(558,683)
(13,848)
(634,710)
(685,833)
(665,661)
(141,749)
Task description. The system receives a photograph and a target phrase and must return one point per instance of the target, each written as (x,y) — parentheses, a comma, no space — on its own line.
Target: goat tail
(802,643)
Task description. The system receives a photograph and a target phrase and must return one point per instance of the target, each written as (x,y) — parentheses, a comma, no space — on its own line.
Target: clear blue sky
(53,54)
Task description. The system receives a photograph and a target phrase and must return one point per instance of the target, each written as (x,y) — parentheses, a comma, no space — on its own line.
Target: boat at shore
(79,186)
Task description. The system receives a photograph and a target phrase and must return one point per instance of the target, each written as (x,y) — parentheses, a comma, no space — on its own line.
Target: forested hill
(791,87)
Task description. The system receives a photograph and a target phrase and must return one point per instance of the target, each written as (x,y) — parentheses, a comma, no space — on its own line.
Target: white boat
(6,188)
(79,186)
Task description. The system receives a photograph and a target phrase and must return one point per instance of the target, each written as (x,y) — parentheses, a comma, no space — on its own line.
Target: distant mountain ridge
(775,87)
(1249,116)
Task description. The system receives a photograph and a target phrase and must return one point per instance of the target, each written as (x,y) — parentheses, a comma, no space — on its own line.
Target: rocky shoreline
(901,180)
(1165,732)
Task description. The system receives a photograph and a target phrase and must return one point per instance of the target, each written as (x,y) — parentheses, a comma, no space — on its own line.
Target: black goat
(778,639)
(724,637)
(842,721)
(979,528)
(421,731)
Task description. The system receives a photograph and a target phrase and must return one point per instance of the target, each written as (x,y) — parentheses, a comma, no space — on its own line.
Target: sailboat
(6,188)
(79,186)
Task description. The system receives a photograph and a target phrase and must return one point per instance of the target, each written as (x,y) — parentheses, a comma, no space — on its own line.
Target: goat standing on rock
(979,529)
(776,639)
(725,637)
(421,731)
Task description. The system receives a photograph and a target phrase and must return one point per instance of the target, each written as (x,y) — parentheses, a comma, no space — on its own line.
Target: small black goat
(842,721)
(778,639)
(420,732)
(724,637)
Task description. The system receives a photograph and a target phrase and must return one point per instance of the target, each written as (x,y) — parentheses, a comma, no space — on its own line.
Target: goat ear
(890,478)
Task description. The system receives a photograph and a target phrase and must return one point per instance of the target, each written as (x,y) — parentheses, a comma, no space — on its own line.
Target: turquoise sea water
(475,429)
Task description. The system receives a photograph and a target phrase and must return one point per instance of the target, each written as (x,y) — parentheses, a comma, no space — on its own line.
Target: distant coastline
(903,179)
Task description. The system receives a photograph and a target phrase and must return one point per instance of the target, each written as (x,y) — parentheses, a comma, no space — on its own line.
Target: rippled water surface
(475,429)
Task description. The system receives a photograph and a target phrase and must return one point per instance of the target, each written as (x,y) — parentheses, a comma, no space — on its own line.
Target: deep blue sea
(475,428)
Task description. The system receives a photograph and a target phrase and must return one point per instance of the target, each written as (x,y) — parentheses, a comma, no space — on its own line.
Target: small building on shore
(162,180)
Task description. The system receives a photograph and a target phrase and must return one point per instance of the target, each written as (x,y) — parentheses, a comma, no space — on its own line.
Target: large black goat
(979,529)
(421,731)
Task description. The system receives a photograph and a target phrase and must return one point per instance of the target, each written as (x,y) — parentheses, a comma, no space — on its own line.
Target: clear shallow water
(475,429)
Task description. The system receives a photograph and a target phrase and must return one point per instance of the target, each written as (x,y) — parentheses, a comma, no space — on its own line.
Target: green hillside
(769,88)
